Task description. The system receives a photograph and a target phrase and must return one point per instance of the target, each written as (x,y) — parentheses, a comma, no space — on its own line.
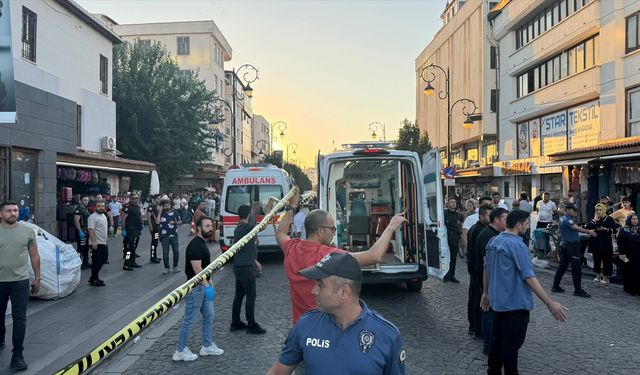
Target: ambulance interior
(363,195)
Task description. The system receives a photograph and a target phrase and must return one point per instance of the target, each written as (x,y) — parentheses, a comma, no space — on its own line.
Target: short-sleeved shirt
(84,213)
(525,206)
(371,345)
(196,250)
(134,218)
(176,204)
(508,266)
(249,253)
(567,233)
(14,251)
(166,229)
(298,225)
(115,207)
(484,236)
(546,211)
(300,254)
(471,220)
(98,222)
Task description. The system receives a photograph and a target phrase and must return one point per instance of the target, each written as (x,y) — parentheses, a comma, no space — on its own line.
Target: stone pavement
(601,336)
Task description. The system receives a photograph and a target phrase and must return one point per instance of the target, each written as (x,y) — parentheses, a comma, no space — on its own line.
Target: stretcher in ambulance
(363,189)
(253,185)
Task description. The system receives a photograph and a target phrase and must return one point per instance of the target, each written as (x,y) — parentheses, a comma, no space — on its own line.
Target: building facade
(570,91)
(260,138)
(65,121)
(240,129)
(463,48)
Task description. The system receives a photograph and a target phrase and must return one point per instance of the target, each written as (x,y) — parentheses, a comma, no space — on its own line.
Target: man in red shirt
(300,254)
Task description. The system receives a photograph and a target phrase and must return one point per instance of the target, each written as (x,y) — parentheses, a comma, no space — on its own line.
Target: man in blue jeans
(168,221)
(200,298)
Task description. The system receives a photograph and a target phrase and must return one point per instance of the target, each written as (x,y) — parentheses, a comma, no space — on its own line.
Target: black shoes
(135,265)
(85,266)
(254,328)
(106,262)
(155,260)
(97,282)
(18,363)
(454,280)
(581,293)
(238,326)
(557,289)
(1,345)
(127,268)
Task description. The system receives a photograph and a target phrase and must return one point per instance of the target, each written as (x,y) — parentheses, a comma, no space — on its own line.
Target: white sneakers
(211,350)
(186,355)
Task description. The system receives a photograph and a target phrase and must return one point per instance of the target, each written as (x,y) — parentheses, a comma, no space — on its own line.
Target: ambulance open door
(435,230)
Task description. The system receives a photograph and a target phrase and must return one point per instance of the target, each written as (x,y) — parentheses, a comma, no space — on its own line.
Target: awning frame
(100,167)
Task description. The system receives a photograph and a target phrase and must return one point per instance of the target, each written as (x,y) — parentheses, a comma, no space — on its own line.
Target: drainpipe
(496,45)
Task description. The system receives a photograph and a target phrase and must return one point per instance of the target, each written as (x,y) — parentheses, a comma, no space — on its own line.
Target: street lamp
(282,126)
(261,145)
(249,76)
(446,94)
(375,126)
(294,147)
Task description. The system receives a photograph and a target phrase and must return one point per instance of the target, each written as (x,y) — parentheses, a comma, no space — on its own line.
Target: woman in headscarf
(629,248)
(601,246)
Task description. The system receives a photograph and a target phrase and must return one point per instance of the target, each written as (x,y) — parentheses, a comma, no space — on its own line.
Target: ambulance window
(237,195)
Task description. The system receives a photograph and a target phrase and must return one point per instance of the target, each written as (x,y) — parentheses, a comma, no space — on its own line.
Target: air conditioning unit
(108,143)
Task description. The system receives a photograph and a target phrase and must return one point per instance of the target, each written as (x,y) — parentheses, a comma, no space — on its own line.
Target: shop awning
(563,163)
(620,156)
(92,160)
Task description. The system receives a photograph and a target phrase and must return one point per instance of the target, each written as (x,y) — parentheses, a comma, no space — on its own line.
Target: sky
(327,68)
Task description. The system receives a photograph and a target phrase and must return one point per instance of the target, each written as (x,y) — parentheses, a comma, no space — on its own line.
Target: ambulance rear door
(434,228)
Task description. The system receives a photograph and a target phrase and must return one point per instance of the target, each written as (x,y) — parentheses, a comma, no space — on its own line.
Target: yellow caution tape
(154,312)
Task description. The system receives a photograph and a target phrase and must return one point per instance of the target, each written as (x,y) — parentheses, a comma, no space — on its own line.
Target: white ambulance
(249,184)
(364,188)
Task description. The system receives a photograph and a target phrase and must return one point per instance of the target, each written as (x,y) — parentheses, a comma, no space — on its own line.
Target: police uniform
(133,226)
(569,253)
(83,244)
(155,235)
(371,345)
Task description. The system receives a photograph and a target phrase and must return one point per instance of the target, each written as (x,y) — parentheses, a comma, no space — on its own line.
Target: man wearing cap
(342,336)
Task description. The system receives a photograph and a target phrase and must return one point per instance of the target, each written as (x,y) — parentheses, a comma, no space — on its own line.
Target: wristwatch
(39,278)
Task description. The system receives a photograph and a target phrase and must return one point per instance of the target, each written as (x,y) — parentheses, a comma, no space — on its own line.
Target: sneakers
(255,329)
(176,270)
(581,293)
(184,355)
(597,279)
(211,350)
(166,271)
(605,280)
(18,363)
(557,289)
(126,268)
(238,326)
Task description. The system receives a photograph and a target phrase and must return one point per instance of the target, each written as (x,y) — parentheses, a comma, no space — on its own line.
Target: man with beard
(98,232)
(168,220)
(475,285)
(153,228)
(80,217)
(18,247)
(132,225)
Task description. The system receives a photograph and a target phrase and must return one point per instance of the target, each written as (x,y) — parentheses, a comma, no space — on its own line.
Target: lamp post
(294,147)
(446,94)
(261,145)
(282,126)
(249,76)
(375,126)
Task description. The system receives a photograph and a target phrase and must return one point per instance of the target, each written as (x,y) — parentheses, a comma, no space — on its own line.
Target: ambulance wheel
(414,286)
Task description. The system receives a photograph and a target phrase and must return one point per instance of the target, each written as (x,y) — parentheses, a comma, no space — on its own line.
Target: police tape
(154,312)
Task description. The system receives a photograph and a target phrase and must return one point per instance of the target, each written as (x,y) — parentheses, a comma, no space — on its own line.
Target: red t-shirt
(300,254)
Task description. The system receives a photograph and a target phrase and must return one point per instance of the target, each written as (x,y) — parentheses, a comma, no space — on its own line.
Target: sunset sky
(327,68)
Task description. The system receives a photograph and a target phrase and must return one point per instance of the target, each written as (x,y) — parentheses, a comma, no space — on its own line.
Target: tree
(163,113)
(409,139)
(302,180)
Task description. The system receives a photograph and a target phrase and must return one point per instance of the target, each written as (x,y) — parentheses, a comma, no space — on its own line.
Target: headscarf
(633,229)
(603,210)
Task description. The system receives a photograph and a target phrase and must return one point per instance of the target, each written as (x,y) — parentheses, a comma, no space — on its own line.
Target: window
(104,75)
(79,124)
(29,22)
(145,44)
(238,195)
(183,45)
(633,109)
(633,33)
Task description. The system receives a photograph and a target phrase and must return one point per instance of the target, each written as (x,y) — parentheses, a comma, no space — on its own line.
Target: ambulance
(364,187)
(249,184)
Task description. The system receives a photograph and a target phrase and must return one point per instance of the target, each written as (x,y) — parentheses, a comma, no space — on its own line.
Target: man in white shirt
(471,220)
(98,229)
(298,223)
(546,209)
(115,208)
(497,201)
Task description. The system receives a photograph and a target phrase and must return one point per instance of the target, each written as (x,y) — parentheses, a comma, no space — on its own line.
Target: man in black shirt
(132,224)
(200,298)
(80,218)
(498,218)
(244,264)
(453,221)
(475,286)
(153,227)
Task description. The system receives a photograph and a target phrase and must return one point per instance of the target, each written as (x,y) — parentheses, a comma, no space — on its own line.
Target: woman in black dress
(629,248)
(601,246)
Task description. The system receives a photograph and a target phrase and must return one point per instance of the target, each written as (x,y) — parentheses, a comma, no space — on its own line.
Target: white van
(363,189)
(246,185)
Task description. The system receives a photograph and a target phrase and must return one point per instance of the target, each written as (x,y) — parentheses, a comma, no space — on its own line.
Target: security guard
(570,252)
(343,336)
(80,218)
(153,228)
(132,224)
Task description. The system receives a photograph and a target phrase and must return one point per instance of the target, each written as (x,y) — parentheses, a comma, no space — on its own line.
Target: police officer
(153,227)
(132,224)
(80,218)
(343,336)
(570,252)
(453,221)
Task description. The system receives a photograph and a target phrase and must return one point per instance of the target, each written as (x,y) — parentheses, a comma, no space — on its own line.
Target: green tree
(163,113)
(409,139)
(302,180)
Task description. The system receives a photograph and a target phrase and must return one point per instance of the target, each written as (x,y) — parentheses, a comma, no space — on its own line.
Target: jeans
(195,302)
(508,336)
(488,322)
(245,286)
(570,254)
(18,292)
(116,224)
(98,257)
(173,242)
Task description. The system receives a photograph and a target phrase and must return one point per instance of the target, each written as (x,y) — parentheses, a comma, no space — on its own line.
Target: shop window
(633,109)
(24,165)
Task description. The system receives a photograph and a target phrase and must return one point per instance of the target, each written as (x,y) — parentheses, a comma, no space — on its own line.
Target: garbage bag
(59,266)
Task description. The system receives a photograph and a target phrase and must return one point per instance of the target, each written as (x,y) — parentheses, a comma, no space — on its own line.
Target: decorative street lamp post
(261,145)
(282,126)
(375,126)
(292,146)
(249,76)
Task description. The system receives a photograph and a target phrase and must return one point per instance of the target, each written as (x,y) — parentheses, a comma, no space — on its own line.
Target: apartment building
(570,97)
(260,137)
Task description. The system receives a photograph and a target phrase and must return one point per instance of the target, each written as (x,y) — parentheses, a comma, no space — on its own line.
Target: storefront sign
(524,150)
(516,168)
(553,131)
(7,84)
(534,137)
(584,125)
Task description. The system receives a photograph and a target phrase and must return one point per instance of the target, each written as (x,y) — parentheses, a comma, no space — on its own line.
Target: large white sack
(59,266)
